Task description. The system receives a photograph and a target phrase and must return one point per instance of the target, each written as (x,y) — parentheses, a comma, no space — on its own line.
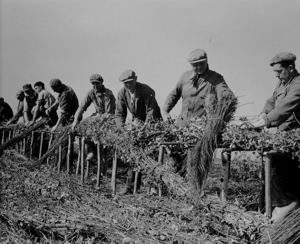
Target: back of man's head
(39,83)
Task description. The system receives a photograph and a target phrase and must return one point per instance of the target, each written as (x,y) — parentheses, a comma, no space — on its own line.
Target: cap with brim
(55,82)
(27,87)
(96,78)
(127,75)
(197,56)
(283,57)
(19,94)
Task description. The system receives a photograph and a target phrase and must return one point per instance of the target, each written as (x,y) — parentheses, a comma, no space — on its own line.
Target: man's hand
(31,123)
(27,123)
(166,116)
(260,122)
(74,124)
(8,123)
(47,111)
(54,128)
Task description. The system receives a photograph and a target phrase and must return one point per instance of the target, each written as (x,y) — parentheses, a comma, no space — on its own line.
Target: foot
(126,191)
(279,213)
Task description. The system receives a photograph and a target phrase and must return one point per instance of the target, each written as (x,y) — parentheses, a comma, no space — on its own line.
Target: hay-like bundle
(26,132)
(287,231)
(218,114)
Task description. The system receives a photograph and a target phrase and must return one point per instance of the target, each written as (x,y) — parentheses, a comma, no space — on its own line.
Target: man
(102,98)
(140,100)
(282,112)
(44,101)
(6,112)
(193,86)
(29,102)
(20,96)
(66,103)
(104,102)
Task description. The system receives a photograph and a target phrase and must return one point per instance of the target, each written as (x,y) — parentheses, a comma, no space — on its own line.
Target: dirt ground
(47,206)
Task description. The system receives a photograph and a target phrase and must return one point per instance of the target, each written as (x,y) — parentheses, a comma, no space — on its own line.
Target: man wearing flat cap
(102,98)
(20,96)
(140,100)
(193,86)
(6,112)
(66,103)
(282,112)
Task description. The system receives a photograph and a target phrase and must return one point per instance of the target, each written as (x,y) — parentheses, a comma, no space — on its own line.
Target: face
(56,88)
(38,89)
(283,73)
(130,85)
(200,67)
(97,85)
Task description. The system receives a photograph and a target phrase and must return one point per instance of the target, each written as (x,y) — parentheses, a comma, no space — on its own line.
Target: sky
(73,39)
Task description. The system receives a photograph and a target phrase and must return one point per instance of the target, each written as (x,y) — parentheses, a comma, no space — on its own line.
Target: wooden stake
(59,158)
(24,146)
(3,136)
(79,156)
(82,158)
(70,152)
(31,144)
(226,158)
(99,164)
(268,166)
(114,175)
(49,144)
(41,145)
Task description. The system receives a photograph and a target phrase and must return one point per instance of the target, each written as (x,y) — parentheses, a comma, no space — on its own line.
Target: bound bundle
(218,114)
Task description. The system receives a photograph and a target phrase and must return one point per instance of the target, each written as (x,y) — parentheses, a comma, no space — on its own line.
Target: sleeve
(222,88)
(65,102)
(285,107)
(18,114)
(110,103)
(269,106)
(121,110)
(174,96)
(41,99)
(151,105)
(26,104)
(86,102)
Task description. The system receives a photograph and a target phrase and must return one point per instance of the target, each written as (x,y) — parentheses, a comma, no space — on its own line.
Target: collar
(102,90)
(295,75)
(195,76)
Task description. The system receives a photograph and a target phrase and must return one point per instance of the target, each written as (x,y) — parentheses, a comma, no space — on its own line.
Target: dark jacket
(6,112)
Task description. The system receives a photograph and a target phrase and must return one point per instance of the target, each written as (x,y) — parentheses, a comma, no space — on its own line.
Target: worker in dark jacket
(66,103)
(193,86)
(20,96)
(6,112)
(282,112)
(140,100)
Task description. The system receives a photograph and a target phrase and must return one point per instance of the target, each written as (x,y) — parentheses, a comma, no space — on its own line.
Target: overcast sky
(72,39)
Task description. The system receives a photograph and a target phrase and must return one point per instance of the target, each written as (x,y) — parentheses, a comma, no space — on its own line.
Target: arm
(151,105)
(121,109)
(18,114)
(110,104)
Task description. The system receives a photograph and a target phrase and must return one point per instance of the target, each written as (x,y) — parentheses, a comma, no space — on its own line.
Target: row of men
(281,111)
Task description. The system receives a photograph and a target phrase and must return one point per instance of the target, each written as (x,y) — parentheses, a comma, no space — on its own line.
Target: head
(1,100)
(198,61)
(283,65)
(20,95)
(39,86)
(56,85)
(129,79)
(27,89)
(97,82)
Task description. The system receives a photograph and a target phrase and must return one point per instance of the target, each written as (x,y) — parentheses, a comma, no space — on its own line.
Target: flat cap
(283,57)
(55,82)
(19,94)
(197,55)
(96,78)
(27,87)
(127,75)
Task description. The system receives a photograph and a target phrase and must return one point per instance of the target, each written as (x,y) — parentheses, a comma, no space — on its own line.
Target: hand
(8,123)
(27,123)
(31,123)
(258,123)
(74,124)
(47,112)
(166,116)
(54,128)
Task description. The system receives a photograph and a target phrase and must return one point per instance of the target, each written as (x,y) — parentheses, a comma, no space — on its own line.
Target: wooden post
(59,158)
(31,144)
(161,161)
(10,134)
(49,145)
(136,176)
(262,186)
(268,166)
(79,156)
(3,136)
(226,158)
(24,146)
(41,145)
(82,158)
(99,164)
(114,174)
(70,152)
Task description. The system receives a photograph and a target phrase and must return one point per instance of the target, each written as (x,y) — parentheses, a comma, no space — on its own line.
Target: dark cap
(55,82)
(96,78)
(127,75)
(283,57)
(2,99)
(27,87)
(20,94)
(197,55)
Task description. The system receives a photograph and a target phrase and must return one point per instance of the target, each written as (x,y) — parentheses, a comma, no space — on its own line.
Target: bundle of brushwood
(218,114)
(25,132)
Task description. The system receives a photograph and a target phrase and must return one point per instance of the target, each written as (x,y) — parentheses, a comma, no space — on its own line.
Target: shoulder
(122,92)
(143,87)
(108,92)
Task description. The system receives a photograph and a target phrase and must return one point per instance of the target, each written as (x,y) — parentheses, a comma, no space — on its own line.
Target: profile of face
(130,85)
(97,85)
(57,89)
(200,67)
(283,73)
(38,89)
